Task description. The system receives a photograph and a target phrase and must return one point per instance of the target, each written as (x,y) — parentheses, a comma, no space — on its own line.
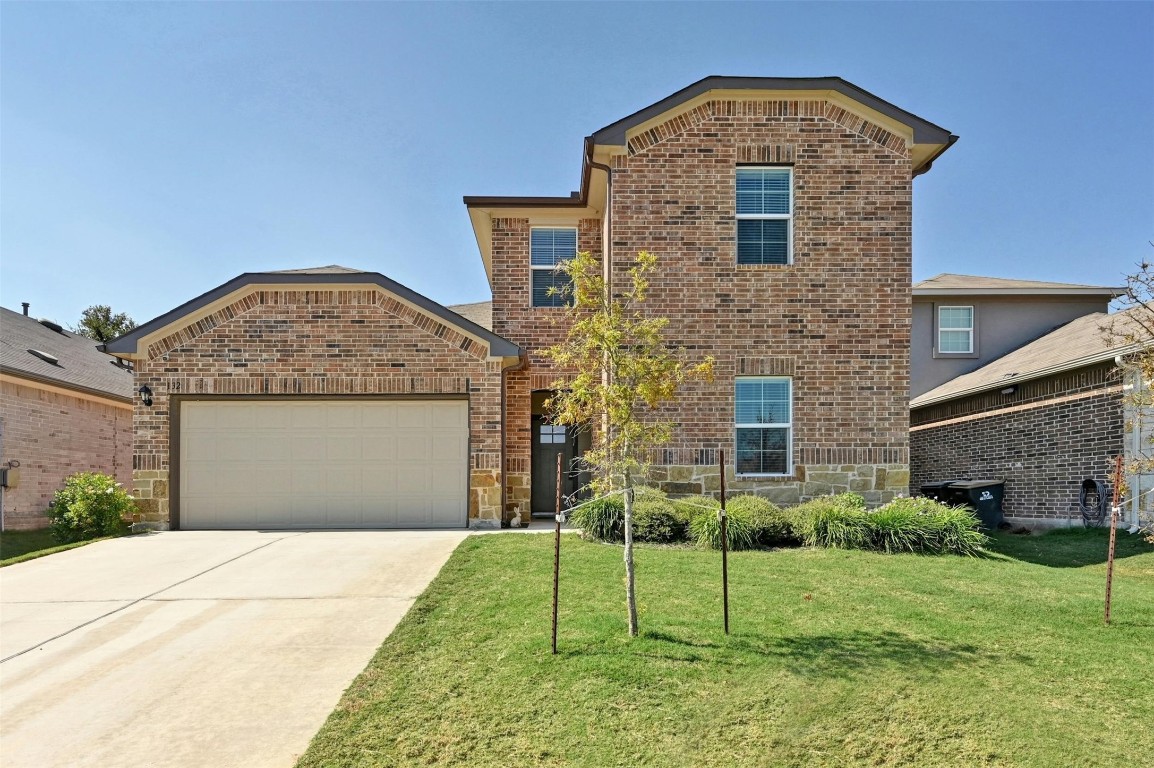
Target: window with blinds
(764,215)
(763,415)
(549,247)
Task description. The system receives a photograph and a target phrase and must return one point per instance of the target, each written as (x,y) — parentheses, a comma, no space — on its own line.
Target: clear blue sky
(149,152)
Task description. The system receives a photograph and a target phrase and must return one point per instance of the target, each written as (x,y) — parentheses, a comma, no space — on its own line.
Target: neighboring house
(64,407)
(962,322)
(1043,418)
(335,398)
(774,206)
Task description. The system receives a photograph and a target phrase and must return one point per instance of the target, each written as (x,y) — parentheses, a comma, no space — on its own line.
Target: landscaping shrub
(706,529)
(657,521)
(902,528)
(88,506)
(772,526)
(837,522)
(603,519)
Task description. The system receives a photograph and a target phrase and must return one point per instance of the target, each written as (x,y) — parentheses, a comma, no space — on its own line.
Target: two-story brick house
(780,210)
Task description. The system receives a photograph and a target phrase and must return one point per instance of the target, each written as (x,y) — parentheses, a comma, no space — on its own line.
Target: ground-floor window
(763,407)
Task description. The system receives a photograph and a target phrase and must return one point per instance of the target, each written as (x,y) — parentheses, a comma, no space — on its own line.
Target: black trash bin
(983,496)
(939,490)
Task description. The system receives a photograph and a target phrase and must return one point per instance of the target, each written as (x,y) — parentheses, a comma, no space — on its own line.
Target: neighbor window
(956,330)
(764,420)
(764,215)
(548,248)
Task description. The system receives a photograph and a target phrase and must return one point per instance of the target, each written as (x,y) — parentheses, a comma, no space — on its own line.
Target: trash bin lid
(940,483)
(976,483)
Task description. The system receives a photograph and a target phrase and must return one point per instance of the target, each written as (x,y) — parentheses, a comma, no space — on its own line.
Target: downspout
(522,361)
(606,271)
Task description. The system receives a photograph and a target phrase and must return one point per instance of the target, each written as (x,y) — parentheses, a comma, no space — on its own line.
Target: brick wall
(321,342)
(54,435)
(837,320)
(1043,440)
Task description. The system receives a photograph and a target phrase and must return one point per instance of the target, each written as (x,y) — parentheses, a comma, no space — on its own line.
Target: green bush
(834,521)
(88,506)
(772,525)
(927,526)
(603,519)
(657,521)
(706,529)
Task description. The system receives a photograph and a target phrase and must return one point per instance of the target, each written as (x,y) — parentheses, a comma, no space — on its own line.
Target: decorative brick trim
(671,127)
(765,153)
(766,366)
(488,460)
(866,129)
(517,465)
(1115,390)
(329,385)
(707,455)
(193,330)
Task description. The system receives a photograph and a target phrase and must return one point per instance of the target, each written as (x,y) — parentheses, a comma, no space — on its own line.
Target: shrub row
(841,521)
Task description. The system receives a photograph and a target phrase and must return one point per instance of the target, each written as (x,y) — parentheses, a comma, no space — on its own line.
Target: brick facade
(54,434)
(837,320)
(1043,440)
(336,343)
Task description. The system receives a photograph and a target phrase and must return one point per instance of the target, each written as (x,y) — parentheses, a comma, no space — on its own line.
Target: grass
(18,546)
(836,658)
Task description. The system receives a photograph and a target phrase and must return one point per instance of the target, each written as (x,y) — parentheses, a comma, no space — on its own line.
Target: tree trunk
(630,591)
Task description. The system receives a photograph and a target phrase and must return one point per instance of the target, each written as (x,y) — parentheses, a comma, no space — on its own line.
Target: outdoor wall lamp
(146,395)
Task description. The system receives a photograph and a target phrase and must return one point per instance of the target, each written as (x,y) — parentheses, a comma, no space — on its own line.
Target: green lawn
(836,658)
(18,546)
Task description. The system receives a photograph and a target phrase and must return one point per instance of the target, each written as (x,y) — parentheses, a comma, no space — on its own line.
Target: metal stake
(721,516)
(557,554)
(1113,534)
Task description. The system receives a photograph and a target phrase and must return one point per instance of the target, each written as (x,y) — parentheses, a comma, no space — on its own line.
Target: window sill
(757,476)
(955,355)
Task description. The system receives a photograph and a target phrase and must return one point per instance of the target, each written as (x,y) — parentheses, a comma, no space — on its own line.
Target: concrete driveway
(197,648)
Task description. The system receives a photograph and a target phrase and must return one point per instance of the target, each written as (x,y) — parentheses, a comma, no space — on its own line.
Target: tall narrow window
(764,215)
(956,330)
(763,408)
(548,248)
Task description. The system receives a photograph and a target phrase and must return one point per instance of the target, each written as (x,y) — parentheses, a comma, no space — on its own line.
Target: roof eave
(91,391)
(1088,291)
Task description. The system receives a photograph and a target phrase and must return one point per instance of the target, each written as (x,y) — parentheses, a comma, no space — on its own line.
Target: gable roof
(479,312)
(80,365)
(1076,344)
(330,276)
(949,284)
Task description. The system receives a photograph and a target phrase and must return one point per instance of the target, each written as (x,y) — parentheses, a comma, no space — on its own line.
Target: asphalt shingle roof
(80,366)
(479,312)
(948,281)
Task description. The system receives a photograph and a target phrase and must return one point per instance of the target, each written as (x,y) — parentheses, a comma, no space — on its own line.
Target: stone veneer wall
(837,320)
(53,435)
(1043,440)
(876,483)
(339,343)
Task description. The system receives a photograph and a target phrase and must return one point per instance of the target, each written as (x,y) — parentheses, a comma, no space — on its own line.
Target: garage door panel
(343,447)
(342,416)
(323,464)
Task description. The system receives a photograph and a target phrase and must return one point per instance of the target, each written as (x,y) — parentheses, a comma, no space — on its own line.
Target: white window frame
(970,330)
(788,426)
(545,268)
(787,216)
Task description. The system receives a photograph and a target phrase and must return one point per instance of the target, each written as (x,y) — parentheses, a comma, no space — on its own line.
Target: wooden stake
(1113,534)
(557,554)
(722,518)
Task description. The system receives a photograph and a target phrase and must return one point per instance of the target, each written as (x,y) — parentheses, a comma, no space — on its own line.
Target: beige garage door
(323,464)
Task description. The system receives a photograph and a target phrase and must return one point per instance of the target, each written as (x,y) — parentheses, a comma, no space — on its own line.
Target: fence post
(1113,534)
(557,553)
(722,518)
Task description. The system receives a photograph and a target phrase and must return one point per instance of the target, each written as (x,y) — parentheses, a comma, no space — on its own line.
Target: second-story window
(764,215)
(956,330)
(548,248)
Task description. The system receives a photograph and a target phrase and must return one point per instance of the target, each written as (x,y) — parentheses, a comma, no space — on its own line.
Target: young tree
(1132,329)
(97,322)
(623,372)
